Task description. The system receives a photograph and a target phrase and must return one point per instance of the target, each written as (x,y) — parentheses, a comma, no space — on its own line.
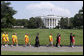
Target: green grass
(44,33)
(39,53)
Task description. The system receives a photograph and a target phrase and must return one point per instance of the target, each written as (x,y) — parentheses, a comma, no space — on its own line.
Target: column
(49,23)
(44,21)
(52,23)
(55,22)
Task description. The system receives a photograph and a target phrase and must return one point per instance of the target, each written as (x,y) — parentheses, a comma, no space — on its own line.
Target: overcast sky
(27,9)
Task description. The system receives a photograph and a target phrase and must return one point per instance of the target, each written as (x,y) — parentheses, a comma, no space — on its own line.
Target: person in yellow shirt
(3,39)
(51,39)
(7,38)
(14,39)
(27,39)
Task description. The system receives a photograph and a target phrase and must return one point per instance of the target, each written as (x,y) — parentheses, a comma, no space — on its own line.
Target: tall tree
(63,23)
(78,19)
(7,14)
(35,22)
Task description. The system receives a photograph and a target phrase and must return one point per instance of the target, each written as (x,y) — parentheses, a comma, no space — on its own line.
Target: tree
(7,14)
(32,23)
(63,23)
(21,22)
(35,22)
(78,19)
(39,22)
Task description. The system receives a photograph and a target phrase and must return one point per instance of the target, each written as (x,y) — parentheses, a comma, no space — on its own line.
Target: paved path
(43,49)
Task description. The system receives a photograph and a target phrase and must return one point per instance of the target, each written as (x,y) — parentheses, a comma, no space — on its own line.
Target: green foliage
(21,22)
(73,22)
(35,22)
(44,35)
(63,23)
(7,15)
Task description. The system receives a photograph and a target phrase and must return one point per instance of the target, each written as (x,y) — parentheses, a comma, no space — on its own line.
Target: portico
(50,22)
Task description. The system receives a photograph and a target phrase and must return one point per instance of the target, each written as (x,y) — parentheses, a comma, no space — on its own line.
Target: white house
(50,21)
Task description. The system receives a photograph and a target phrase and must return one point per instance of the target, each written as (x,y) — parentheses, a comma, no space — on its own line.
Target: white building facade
(50,21)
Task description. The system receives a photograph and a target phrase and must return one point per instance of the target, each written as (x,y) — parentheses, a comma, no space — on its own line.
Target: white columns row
(51,23)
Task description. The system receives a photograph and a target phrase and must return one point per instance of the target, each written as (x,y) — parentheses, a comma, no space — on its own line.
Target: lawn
(44,35)
(39,53)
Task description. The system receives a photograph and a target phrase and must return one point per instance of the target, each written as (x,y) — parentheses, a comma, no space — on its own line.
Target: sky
(27,9)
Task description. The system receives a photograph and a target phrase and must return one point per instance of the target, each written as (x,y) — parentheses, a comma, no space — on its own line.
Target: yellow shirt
(15,37)
(3,36)
(7,36)
(50,38)
(26,36)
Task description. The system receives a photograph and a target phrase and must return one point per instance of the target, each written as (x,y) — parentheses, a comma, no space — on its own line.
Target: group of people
(5,39)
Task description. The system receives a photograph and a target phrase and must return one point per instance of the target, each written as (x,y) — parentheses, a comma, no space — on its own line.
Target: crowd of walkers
(5,39)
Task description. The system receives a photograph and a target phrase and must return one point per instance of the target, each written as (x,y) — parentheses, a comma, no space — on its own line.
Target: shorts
(26,40)
(13,40)
(16,41)
(59,41)
(73,41)
(51,42)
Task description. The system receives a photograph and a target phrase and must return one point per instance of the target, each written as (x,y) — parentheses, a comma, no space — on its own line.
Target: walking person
(37,40)
(7,39)
(27,40)
(70,39)
(73,40)
(57,40)
(14,39)
(3,39)
(51,40)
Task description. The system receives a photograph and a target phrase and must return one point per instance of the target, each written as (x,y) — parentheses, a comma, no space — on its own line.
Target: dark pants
(57,44)
(37,44)
(70,43)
